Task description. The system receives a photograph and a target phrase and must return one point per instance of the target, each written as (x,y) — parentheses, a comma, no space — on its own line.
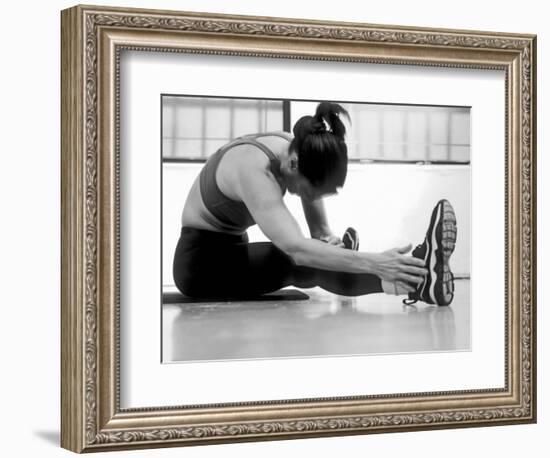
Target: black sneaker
(351,239)
(439,244)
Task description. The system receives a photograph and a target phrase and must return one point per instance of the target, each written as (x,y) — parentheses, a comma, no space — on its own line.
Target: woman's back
(213,202)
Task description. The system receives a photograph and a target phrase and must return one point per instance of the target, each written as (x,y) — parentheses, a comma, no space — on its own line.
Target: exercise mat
(175,297)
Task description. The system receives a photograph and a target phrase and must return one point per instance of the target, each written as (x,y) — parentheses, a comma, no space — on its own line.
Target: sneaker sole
(442,245)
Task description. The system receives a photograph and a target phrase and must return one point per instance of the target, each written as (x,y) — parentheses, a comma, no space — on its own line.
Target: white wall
(389,205)
(30,212)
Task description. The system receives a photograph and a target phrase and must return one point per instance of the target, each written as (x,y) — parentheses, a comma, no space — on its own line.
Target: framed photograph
(277,228)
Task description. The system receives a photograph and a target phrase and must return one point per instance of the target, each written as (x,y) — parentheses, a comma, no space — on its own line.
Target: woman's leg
(273,269)
(211,265)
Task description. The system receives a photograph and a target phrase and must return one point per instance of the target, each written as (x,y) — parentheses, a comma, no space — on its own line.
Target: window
(193,128)
(408,133)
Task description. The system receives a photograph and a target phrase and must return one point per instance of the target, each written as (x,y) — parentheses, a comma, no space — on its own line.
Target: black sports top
(232,215)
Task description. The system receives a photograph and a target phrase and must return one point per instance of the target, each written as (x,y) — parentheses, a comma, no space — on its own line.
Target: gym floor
(324,325)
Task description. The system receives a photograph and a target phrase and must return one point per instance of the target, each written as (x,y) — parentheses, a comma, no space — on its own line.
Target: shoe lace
(416,249)
(410,301)
(413,300)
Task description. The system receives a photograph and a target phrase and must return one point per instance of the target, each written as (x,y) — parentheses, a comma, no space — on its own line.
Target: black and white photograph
(311,228)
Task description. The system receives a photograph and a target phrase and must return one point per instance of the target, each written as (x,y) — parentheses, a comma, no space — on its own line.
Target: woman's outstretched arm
(260,192)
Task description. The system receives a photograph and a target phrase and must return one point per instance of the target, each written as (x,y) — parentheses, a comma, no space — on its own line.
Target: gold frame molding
(92,39)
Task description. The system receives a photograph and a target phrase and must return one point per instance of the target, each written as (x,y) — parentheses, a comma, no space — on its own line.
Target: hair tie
(319,126)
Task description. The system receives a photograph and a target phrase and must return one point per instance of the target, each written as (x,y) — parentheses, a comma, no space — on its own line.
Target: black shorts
(216,264)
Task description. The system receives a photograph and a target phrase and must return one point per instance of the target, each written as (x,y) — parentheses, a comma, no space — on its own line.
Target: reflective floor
(324,325)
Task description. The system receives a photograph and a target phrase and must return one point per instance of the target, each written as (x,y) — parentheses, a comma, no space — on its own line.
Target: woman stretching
(243,184)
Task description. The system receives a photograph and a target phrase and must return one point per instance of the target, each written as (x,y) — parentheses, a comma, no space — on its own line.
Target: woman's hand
(393,266)
(332,239)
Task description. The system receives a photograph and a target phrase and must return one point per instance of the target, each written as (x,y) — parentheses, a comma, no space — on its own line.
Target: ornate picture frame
(92,41)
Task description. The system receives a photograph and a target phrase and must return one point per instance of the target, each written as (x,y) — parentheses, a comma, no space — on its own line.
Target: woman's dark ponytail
(319,143)
(330,113)
(326,112)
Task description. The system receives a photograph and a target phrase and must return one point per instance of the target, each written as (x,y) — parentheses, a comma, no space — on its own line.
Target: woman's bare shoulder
(248,155)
